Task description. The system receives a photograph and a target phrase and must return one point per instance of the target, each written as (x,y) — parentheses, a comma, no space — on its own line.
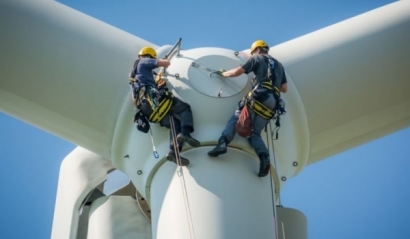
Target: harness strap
(268,85)
(160,81)
(163,108)
(259,108)
(149,96)
(156,110)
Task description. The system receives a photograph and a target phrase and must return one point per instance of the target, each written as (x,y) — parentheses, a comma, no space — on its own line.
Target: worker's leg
(227,136)
(182,111)
(258,124)
(171,155)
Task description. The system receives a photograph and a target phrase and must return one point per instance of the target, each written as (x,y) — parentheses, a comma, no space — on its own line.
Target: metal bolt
(295,164)
(283,178)
(139,172)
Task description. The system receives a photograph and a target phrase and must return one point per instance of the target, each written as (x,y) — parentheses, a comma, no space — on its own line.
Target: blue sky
(361,193)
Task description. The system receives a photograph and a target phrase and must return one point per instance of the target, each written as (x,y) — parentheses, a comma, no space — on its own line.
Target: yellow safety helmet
(148,51)
(259,43)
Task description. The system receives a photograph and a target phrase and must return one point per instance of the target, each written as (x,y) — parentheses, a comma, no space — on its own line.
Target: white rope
(271,183)
(182,178)
(283,231)
(273,153)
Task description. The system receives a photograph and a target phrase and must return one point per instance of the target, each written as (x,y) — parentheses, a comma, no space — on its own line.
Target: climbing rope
(269,142)
(174,140)
(182,178)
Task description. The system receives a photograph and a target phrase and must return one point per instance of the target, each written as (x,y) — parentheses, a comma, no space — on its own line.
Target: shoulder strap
(266,58)
(274,74)
(134,71)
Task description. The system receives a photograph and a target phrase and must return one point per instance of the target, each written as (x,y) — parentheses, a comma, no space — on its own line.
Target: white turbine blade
(64,71)
(353,78)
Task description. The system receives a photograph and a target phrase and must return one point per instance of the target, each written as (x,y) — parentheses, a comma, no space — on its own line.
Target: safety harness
(155,107)
(265,87)
(259,108)
(152,102)
(268,85)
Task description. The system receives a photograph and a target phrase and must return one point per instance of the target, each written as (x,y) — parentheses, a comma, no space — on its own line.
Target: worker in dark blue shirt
(159,104)
(264,90)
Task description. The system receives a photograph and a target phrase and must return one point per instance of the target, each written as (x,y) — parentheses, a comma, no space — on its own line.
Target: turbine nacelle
(213,99)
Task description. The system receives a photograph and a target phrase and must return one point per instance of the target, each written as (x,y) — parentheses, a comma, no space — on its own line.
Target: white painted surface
(291,224)
(117,217)
(75,72)
(353,78)
(346,59)
(81,171)
(348,85)
(215,198)
(211,114)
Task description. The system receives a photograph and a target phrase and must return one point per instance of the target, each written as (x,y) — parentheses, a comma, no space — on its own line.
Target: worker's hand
(220,72)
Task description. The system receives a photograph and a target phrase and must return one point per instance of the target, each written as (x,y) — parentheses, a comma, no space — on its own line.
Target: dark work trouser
(258,123)
(183,119)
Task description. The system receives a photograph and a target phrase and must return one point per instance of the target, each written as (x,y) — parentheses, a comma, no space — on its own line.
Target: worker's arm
(163,62)
(234,72)
(284,87)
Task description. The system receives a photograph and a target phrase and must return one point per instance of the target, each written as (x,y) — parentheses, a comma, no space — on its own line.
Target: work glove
(219,72)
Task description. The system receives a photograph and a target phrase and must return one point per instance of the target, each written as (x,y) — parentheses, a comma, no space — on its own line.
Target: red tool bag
(244,124)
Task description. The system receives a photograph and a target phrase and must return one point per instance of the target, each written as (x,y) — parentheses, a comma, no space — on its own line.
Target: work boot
(186,137)
(172,157)
(264,165)
(221,148)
